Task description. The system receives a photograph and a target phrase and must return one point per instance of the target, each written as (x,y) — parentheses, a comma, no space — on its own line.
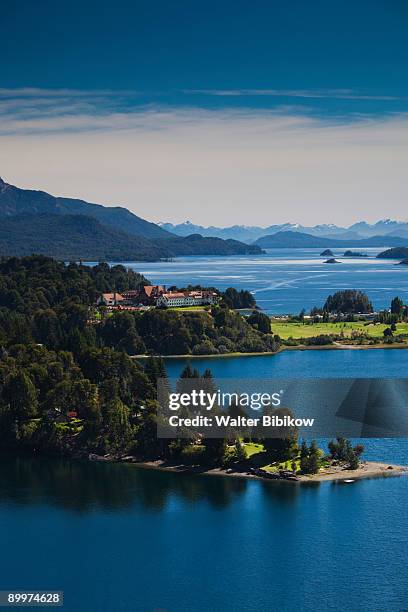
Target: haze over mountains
(282,240)
(37,222)
(249,234)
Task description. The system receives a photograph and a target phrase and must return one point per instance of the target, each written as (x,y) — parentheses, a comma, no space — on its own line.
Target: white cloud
(213,167)
(338,94)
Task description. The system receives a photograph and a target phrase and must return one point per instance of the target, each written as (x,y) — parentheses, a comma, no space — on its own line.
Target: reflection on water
(120,538)
(82,486)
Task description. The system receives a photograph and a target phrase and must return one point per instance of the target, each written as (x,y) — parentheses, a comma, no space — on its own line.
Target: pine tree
(240,453)
(314,458)
(23,396)
(352,458)
(304,458)
(397,306)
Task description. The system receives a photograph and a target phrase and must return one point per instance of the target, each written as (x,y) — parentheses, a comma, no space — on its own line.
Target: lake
(286,280)
(120,538)
(117,538)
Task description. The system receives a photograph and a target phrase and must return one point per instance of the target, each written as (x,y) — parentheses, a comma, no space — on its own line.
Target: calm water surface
(287,280)
(120,538)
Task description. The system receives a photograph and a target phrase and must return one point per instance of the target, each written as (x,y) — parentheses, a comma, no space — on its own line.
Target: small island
(394,253)
(404,262)
(274,459)
(332,261)
(327,253)
(333,472)
(354,254)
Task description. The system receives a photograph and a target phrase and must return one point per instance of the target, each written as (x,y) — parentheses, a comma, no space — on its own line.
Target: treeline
(167,332)
(352,302)
(349,301)
(46,302)
(54,401)
(67,383)
(28,284)
(60,389)
(284,452)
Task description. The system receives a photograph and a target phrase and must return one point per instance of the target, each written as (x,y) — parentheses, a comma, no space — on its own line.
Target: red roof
(113,296)
(155,289)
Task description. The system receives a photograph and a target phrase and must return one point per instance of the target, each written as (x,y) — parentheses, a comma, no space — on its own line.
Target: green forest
(67,382)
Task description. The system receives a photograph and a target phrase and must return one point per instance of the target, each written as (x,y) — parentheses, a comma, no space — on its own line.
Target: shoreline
(299,347)
(368,469)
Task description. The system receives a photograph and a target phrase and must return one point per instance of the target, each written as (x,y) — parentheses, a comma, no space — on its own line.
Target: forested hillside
(67,382)
(37,222)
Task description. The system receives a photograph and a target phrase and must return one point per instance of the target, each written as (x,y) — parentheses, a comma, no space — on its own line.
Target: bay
(286,280)
(120,538)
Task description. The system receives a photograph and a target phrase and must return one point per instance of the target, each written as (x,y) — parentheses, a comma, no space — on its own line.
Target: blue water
(287,280)
(120,538)
(117,538)
(385,363)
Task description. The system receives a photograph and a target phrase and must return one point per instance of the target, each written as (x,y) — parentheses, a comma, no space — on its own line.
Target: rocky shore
(367,469)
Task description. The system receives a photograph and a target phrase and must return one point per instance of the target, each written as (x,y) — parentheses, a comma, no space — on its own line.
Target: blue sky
(189,109)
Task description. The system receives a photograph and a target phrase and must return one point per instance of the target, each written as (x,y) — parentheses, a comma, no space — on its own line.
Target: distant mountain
(167,240)
(300,240)
(381,228)
(399,232)
(395,253)
(36,222)
(16,201)
(247,233)
(235,232)
(73,237)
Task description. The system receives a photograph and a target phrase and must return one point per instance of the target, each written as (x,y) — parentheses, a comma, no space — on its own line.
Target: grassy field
(188,308)
(308,330)
(252,449)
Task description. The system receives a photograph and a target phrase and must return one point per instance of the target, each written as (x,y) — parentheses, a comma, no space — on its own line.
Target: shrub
(192,454)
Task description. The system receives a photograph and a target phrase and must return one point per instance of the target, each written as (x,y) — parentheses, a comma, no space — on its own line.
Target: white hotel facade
(189,298)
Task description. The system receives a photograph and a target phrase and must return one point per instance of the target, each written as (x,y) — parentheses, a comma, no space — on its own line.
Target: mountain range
(66,228)
(290,239)
(37,222)
(250,234)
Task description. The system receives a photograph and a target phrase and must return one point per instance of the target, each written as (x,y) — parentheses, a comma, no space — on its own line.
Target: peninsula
(70,386)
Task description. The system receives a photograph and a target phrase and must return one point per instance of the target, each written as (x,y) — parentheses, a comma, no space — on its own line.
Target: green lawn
(284,465)
(286,330)
(187,308)
(252,449)
(287,465)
